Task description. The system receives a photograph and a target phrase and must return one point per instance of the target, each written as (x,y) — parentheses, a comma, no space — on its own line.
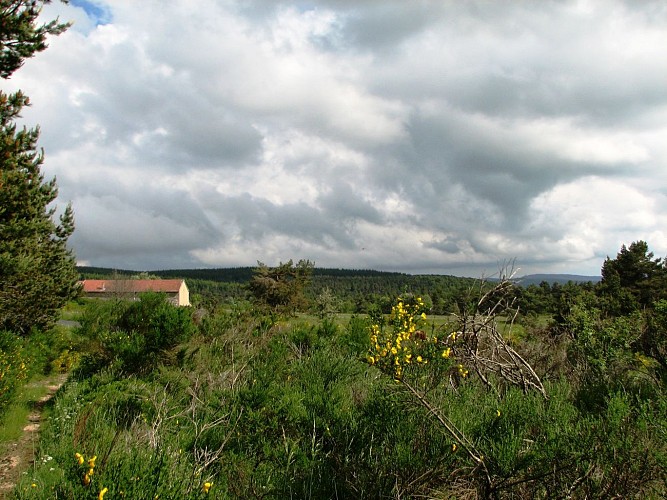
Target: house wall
(183,295)
(178,298)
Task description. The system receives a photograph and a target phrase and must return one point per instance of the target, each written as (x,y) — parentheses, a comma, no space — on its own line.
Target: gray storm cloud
(430,137)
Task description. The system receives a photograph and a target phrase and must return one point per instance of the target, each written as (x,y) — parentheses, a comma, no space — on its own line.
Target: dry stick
(578,481)
(516,364)
(451,428)
(513,355)
(211,456)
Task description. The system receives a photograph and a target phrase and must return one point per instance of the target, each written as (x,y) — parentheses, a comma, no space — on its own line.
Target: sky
(429,136)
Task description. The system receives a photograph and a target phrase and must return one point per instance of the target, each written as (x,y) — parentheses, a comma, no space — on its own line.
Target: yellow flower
(446,352)
(91,462)
(102,493)
(86,480)
(79,458)
(419,359)
(206,487)
(497,413)
(454,447)
(371,360)
(33,485)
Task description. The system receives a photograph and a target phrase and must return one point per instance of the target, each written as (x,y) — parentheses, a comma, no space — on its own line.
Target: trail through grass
(19,429)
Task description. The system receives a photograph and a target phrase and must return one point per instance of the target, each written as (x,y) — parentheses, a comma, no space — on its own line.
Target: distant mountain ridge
(536,279)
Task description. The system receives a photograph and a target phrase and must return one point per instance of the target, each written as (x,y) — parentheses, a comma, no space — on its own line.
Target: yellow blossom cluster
(90,467)
(403,341)
(399,344)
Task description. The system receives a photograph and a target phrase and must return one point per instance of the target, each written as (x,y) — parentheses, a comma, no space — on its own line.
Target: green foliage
(280,289)
(12,367)
(20,36)
(52,351)
(355,336)
(43,353)
(326,304)
(133,335)
(354,291)
(603,343)
(160,323)
(37,271)
(287,408)
(653,341)
(634,279)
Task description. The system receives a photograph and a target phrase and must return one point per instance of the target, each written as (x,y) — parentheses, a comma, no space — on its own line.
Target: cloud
(431,137)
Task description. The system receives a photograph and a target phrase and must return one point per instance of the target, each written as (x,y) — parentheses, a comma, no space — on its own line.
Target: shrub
(13,368)
(133,334)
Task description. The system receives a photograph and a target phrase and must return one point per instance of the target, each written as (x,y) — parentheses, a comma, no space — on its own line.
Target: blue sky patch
(98,12)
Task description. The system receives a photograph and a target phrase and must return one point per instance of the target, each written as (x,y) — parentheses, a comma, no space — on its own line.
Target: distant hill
(357,290)
(226,275)
(536,279)
(243,275)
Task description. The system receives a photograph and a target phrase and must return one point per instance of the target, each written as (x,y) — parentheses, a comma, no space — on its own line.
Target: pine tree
(635,279)
(280,289)
(37,270)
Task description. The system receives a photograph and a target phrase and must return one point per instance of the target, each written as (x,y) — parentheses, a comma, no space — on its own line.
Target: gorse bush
(159,323)
(512,435)
(133,335)
(27,358)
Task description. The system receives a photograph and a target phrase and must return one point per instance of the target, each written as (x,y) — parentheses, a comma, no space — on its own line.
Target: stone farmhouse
(176,290)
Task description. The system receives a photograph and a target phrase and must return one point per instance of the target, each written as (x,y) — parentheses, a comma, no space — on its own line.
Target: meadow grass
(73,310)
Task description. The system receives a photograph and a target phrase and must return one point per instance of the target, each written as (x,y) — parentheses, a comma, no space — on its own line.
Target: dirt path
(17,457)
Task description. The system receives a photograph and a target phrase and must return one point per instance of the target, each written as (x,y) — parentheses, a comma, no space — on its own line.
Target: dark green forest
(358,291)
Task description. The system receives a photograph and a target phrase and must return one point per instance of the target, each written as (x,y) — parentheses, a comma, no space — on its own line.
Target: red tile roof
(131,286)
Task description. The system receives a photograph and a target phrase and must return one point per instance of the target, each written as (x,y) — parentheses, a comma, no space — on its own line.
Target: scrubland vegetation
(537,392)
(251,400)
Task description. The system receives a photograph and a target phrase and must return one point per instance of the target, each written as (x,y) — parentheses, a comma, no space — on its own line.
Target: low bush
(132,335)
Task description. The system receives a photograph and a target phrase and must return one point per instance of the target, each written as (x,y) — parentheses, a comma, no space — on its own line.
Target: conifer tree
(280,289)
(634,280)
(37,270)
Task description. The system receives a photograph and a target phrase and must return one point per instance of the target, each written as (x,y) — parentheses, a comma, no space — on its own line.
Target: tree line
(630,281)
